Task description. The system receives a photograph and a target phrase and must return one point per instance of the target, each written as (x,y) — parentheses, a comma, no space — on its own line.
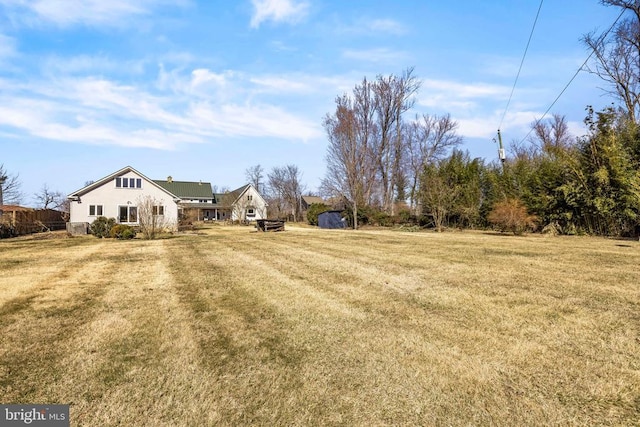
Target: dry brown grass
(311,327)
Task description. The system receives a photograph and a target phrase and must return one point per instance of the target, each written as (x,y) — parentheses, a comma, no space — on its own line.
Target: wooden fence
(18,221)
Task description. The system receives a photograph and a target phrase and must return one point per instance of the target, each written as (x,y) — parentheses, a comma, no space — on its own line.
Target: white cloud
(79,12)
(486,125)
(92,110)
(87,64)
(465,90)
(203,77)
(278,11)
(233,120)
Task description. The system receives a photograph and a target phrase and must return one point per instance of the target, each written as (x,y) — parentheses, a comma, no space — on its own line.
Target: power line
(521,63)
(572,78)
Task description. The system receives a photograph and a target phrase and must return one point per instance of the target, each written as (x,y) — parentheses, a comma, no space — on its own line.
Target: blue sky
(202,90)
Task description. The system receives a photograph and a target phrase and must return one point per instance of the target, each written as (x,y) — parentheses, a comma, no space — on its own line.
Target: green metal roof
(187,189)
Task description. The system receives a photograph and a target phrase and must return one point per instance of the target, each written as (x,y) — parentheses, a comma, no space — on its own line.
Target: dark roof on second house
(310,200)
(187,189)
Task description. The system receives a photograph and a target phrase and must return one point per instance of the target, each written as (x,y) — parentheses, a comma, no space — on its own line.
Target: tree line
(380,161)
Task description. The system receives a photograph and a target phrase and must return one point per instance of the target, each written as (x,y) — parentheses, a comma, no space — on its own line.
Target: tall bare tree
(10,193)
(286,184)
(427,139)
(617,57)
(393,96)
(254,175)
(351,157)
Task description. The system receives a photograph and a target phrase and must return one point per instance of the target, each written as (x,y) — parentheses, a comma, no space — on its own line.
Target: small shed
(331,219)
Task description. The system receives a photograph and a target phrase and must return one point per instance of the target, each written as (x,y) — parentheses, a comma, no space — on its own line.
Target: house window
(251,212)
(128,182)
(158,210)
(95,210)
(127,214)
(249,197)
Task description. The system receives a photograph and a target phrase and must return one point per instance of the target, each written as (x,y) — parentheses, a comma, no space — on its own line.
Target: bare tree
(151,217)
(393,96)
(427,139)
(552,134)
(254,175)
(9,188)
(285,183)
(351,161)
(49,199)
(617,57)
(367,147)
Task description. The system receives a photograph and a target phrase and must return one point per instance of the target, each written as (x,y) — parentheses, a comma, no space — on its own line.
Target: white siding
(250,199)
(110,198)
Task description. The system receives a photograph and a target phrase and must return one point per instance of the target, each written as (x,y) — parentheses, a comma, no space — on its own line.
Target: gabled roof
(187,189)
(309,200)
(108,178)
(231,197)
(235,194)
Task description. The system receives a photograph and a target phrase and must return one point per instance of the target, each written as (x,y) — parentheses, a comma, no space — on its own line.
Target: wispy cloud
(370,27)
(290,11)
(388,26)
(377,55)
(278,84)
(7,46)
(98,111)
(478,107)
(88,64)
(65,13)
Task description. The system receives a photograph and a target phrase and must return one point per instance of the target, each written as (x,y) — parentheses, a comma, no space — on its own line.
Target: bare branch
(10,193)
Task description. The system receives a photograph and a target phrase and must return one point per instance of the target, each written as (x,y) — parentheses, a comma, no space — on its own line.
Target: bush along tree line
(390,169)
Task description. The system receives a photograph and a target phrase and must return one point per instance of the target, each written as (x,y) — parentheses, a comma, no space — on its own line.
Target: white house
(244,203)
(120,194)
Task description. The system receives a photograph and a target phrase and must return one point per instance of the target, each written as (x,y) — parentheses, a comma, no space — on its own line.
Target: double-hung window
(95,210)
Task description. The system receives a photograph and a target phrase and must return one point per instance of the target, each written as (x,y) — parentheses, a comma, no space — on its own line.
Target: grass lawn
(313,327)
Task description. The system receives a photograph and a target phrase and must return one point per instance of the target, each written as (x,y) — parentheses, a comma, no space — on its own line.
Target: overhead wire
(521,63)
(572,78)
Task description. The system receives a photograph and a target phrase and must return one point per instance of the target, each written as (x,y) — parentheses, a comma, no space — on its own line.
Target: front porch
(203,212)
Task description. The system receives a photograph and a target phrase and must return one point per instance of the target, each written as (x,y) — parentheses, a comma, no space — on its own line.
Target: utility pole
(501,154)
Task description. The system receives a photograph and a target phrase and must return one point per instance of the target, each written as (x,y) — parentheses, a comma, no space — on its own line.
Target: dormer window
(128,182)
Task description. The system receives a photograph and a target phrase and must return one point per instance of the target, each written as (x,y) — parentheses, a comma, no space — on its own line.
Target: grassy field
(311,327)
